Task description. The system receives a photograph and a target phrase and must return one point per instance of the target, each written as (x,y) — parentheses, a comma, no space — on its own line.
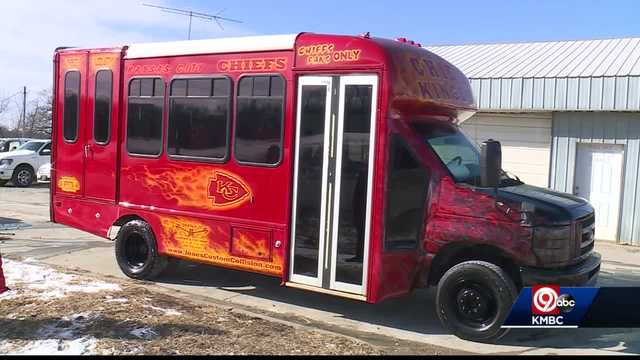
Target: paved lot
(412,318)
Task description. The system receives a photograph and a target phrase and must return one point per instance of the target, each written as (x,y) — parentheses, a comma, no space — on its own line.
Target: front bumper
(584,273)
(5,174)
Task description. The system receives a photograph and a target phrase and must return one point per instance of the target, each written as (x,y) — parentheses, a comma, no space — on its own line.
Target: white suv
(19,166)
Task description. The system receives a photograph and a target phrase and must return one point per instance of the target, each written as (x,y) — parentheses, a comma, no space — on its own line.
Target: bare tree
(38,120)
(4,105)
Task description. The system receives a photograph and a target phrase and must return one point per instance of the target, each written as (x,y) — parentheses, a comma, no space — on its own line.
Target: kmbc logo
(550,306)
(545,300)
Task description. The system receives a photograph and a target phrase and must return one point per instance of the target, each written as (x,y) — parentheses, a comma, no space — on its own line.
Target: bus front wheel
(137,251)
(474,299)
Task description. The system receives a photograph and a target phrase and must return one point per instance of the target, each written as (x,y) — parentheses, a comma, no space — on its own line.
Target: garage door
(525,138)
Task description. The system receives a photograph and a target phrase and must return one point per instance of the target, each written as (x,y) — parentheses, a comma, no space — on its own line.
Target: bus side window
(199,119)
(71,105)
(259,120)
(407,186)
(144,116)
(102,107)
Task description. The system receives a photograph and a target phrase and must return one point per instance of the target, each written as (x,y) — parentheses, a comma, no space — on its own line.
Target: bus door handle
(87,151)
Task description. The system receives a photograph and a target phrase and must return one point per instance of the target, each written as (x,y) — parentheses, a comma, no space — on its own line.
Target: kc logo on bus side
(228,191)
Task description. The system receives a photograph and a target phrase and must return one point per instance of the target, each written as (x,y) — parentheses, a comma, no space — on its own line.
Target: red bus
(335,163)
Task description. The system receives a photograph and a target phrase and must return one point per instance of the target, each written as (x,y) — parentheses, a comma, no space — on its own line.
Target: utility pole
(24,110)
(191,14)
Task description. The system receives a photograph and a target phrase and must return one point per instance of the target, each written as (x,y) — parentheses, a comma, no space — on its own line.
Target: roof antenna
(191,14)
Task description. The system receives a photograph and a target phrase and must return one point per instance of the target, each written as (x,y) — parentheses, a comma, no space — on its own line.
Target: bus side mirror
(490,163)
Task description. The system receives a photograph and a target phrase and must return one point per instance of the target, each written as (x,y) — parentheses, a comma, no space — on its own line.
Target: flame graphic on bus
(248,243)
(197,187)
(189,239)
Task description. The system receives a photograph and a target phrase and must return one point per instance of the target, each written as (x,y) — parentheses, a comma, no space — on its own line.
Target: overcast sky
(31,29)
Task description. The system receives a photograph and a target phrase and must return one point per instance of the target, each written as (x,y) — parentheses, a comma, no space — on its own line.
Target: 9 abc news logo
(547,305)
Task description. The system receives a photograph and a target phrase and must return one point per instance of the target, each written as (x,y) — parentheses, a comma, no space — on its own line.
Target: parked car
(19,166)
(10,144)
(44,172)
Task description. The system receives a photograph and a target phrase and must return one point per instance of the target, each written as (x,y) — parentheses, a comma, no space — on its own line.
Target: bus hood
(548,206)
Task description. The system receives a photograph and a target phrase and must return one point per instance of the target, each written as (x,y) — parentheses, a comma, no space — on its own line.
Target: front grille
(585,231)
(587,249)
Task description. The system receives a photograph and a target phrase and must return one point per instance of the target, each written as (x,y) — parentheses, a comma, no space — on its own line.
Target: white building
(568,116)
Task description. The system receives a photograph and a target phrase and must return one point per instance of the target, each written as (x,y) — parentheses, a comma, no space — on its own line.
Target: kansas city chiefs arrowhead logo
(227,190)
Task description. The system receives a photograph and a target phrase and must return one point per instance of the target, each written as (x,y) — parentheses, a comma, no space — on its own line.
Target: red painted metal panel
(3,285)
(216,193)
(100,163)
(209,241)
(87,215)
(68,177)
(334,52)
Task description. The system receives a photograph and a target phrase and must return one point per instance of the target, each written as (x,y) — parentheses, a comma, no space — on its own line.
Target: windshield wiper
(509,181)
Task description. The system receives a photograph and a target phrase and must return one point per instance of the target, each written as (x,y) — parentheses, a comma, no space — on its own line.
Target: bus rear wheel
(137,251)
(474,299)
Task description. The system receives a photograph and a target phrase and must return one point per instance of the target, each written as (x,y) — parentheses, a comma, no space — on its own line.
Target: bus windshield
(460,155)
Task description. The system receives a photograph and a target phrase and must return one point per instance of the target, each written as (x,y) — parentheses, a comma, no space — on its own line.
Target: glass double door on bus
(333,181)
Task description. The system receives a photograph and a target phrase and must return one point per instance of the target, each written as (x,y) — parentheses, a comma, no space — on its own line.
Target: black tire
(3,182)
(23,176)
(137,251)
(474,299)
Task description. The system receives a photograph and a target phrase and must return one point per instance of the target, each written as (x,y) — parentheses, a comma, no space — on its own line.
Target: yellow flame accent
(190,239)
(68,184)
(188,187)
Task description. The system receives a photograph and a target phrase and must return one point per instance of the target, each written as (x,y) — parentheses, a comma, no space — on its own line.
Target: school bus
(335,163)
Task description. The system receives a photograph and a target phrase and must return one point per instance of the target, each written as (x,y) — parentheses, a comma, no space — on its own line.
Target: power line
(191,14)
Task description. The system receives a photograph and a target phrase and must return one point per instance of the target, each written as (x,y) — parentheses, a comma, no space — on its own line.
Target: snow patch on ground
(8,295)
(30,279)
(81,346)
(168,312)
(118,300)
(62,337)
(26,278)
(143,332)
